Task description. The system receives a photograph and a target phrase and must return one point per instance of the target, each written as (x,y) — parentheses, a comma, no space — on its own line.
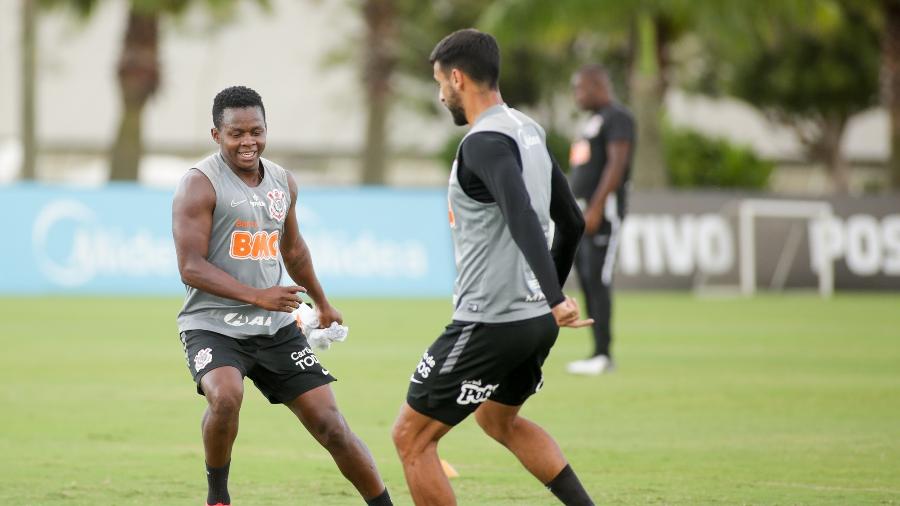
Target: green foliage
(529,71)
(694,160)
(824,66)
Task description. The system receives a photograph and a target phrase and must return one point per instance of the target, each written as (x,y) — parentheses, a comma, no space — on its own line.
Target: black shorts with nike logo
(282,366)
(472,362)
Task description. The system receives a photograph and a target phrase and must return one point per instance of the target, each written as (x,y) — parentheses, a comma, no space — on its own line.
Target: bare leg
(317,410)
(416,437)
(224,390)
(531,444)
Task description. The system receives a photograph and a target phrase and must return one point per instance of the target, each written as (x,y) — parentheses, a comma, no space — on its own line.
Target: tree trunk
(647,88)
(378,66)
(838,169)
(28,83)
(890,83)
(138,73)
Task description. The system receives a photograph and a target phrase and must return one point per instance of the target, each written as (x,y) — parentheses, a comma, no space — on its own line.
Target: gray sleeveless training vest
(247,226)
(494,283)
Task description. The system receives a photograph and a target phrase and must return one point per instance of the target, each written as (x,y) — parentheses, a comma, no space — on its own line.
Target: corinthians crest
(277,205)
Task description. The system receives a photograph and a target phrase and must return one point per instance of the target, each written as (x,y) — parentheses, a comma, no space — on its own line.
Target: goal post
(751,209)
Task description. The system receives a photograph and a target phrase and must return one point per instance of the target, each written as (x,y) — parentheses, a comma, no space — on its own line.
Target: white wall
(281,54)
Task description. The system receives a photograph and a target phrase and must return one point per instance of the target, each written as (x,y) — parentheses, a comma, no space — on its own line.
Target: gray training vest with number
(494,283)
(247,226)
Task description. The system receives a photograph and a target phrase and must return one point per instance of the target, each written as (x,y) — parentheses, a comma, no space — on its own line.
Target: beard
(456,111)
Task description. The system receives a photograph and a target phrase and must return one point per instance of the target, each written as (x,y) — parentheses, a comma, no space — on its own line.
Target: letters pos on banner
(688,240)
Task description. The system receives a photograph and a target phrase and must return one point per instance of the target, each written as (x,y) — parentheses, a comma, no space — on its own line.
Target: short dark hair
(475,53)
(235,97)
(594,70)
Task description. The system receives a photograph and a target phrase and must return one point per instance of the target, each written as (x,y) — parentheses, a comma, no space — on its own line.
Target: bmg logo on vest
(73,247)
(472,392)
(259,245)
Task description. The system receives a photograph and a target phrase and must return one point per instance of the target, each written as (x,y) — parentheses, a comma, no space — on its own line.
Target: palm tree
(647,27)
(138,75)
(379,60)
(812,68)
(138,69)
(890,81)
(28,82)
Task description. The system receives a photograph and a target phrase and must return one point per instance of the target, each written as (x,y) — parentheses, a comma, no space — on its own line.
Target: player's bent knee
(404,439)
(226,404)
(398,434)
(495,427)
(332,432)
(225,400)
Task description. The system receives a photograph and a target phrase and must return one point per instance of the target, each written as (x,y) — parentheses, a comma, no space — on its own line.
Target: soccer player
(233,214)
(601,168)
(504,191)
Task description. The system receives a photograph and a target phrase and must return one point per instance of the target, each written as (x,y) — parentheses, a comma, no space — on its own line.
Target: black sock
(568,489)
(384,499)
(217,479)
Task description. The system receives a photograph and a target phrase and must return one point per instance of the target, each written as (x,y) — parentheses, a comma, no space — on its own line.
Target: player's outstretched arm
(298,262)
(192,212)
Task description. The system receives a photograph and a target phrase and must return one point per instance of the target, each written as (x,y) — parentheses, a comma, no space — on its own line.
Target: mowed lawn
(773,400)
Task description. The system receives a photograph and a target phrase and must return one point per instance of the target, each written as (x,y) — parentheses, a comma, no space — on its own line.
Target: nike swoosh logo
(235,204)
(414,380)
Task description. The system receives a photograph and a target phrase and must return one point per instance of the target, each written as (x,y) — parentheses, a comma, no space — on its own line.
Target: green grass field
(774,400)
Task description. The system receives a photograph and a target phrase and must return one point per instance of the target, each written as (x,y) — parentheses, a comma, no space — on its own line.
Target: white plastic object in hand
(320,339)
(306,318)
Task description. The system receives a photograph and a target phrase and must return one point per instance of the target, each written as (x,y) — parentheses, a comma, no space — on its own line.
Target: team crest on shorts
(277,205)
(202,359)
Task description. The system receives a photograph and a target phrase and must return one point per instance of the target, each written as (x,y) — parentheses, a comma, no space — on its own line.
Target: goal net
(770,235)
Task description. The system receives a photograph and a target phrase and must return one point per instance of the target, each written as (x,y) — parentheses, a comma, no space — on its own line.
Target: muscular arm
(568,220)
(617,153)
(298,261)
(192,213)
(491,158)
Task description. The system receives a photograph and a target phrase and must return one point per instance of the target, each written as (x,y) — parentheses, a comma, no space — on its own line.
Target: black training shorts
(282,366)
(471,362)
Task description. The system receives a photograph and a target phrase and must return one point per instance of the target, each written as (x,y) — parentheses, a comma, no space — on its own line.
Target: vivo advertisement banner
(384,242)
(118,240)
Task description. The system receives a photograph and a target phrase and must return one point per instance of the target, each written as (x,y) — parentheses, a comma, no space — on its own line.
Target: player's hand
(593,218)
(567,314)
(279,298)
(328,314)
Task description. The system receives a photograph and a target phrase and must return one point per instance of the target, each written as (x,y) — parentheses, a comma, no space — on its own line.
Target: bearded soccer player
(505,190)
(233,214)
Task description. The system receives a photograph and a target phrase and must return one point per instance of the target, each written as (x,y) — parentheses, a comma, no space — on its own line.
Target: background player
(504,191)
(232,216)
(601,169)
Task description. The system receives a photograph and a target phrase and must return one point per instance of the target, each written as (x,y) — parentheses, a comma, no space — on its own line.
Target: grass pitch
(774,400)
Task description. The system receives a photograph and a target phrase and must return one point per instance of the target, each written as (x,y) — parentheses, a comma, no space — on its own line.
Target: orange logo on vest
(450,213)
(254,246)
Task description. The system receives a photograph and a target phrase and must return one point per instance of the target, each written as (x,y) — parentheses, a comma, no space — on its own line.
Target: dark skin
(241,140)
(593,91)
